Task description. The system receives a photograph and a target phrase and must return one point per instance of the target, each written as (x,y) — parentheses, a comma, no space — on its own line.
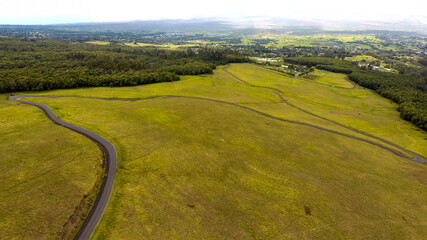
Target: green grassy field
(357,108)
(46,171)
(329,78)
(193,169)
(359,58)
(333,79)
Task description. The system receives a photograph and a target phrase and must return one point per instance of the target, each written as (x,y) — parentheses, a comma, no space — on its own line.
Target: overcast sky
(67,11)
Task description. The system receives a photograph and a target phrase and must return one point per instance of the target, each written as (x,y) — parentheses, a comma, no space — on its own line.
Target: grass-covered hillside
(195,169)
(49,175)
(409,91)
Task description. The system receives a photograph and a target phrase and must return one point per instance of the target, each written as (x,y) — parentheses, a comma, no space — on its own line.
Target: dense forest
(46,64)
(410,92)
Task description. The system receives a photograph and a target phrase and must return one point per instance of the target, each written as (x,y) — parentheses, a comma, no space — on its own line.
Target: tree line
(50,64)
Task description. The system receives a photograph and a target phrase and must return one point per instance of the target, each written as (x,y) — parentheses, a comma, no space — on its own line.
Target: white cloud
(123,10)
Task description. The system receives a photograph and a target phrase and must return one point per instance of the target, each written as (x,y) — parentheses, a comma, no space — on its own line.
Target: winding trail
(107,184)
(104,194)
(415,157)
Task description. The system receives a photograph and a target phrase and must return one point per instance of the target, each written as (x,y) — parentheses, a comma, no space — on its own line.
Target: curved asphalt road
(107,184)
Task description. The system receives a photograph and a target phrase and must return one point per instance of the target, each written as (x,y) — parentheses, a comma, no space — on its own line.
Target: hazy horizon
(78,11)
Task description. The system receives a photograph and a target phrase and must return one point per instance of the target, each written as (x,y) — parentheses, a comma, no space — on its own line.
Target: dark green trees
(45,65)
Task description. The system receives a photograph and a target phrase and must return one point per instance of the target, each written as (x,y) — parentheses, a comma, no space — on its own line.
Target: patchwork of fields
(195,169)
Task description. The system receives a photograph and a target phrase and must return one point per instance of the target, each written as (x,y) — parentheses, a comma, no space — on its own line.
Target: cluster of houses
(374,67)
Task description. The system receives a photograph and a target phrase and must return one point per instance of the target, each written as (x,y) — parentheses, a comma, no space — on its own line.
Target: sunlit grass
(359,58)
(358,108)
(195,169)
(45,172)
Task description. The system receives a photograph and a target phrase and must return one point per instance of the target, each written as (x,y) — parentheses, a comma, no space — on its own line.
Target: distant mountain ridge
(418,24)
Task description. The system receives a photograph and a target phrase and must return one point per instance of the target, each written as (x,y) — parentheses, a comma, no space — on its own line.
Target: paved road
(415,157)
(107,185)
